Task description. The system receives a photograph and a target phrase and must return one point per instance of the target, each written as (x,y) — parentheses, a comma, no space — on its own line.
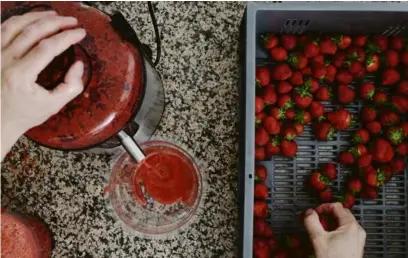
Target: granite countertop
(200,72)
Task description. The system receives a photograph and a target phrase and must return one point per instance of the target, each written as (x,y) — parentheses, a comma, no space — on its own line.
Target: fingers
(71,86)
(41,55)
(14,25)
(32,34)
(344,216)
(313,225)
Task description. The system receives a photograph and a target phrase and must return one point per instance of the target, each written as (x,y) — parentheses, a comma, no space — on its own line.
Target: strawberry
(340,119)
(319,72)
(354,185)
(397,43)
(345,94)
(299,128)
(281,72)
(326,195)
(366,91)
(348,200)
(283,87)
(381,41)
(263,76)
(380,98)
(402,149)
(369,193)
(290,114)
(312,84)
(361,136)
(390,76)
(356,67)
(355,54)
(317,181)
(329,170)
(400,104)
(359,41)
(260,173)
(327,47)
(346,158)
(306,71)
(278,54)
(364,160)
(259,117)
(404,57)
(271,126)
(296,79)
(277,113)
(318,60)
(331,72)
(272,147)
(398,166)
(388,118)
(358,150)
(395,135)
(303,117)
(339,59)
(370,178)
(260,208)
(343,41)
(260,248)
(262,228)
(272,244)
(372,63)
(261,136)
(297,60)
(373,127)
(382,151)
(288,148)
(259,153)
(269,95)
(288,41)
(323,94)
(302,97)
(391,58)
(289,133)
(269,40)
(261,191)
(344,77)
(316,110)
(323,131)
(368,114)
(404,127)
(259,104)
(285,102)
(402,88)
(311,49)
(385,172)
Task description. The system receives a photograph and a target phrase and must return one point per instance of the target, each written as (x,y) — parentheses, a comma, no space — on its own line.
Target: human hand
(346,241)
(28,44)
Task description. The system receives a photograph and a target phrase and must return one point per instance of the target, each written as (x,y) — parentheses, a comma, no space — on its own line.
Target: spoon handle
(131,146)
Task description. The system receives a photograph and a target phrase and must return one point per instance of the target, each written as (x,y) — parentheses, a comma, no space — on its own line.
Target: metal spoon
(131,146)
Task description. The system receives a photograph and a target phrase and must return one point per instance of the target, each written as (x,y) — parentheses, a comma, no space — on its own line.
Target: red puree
(24,237)
(167,175)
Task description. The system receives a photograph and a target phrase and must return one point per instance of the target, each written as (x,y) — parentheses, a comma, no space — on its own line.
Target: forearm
(9,136)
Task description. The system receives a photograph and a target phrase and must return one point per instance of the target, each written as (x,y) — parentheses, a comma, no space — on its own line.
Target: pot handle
(131,146)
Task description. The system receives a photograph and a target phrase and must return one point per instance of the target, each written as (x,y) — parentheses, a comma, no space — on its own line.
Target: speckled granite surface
(200,73)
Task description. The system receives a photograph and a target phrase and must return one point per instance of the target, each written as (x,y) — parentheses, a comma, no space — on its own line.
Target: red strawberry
(366,91)
(316,109)
(397,43)
(329,170)
(331,72)
(259,104)
(317,60)
(343,41)
(302,97)
(311,49)
(290,114)
(326,195)
(385,172)
(281,72)
(348,200)
(312,84)
(390,76)
(278,53)
(355,185)
(359,150)
(400,104)
(344,77)
(289,133)
(361,136)
(355,54)
(380,98)
(327,47)
(288,41)
(356,67)
(346,158)
(299,128)
(382,151)
(261,191)
(339,59)
(402,149)
(262,228)
(259,153)
(260,173)
(359,41)
(260,248)
(283,87)
(323,94)
(261,136)
(263,76)
(323,131)
(293,241)
(398,166)
(402,88)
(372,63)
(364,160)
(285,102)
(340,119)
(269,40)
(271,126)
(404,127)
(272,148)
(306,71)
(392,58)
(296,79)
(371,180)
(388,118)
(260,208)
(317,181)
(369,193)
(395,135)
(404,57)
(381,41)
(373,127)
(297,60)
(259,117)
(368,114)
(269,95)
(288,148)
(277,113)
(319,72)
(303,117)
(272,244)
(345,94)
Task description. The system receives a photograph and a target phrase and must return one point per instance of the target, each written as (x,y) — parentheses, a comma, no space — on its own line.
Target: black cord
(156,32)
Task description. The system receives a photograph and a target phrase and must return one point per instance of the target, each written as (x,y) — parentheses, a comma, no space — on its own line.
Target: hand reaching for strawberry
(347,240)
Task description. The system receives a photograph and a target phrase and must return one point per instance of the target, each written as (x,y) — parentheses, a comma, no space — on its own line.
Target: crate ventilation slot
(294,26)
(394,30)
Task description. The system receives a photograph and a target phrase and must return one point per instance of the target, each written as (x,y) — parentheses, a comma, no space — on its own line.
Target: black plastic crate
(384,219)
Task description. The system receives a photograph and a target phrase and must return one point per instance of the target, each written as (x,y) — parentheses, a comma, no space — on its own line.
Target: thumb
(72,85)
(312,224)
